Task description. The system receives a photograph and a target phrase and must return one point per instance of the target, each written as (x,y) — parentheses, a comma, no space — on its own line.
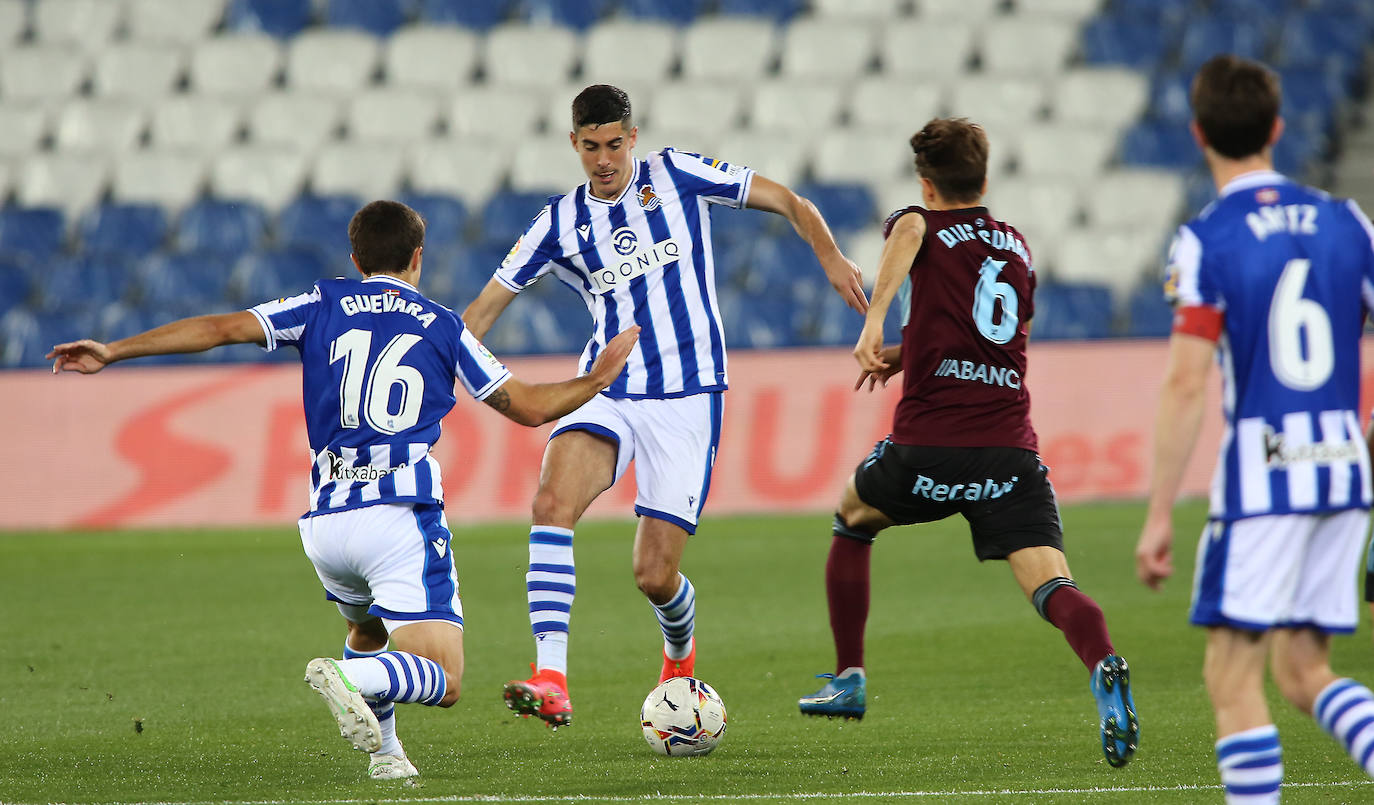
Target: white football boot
(391,767)
(357,723)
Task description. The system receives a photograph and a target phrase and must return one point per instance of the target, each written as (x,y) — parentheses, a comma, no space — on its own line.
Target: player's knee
(853,527)
(1299,682)
(1040,599)
(552,508)
(657,582)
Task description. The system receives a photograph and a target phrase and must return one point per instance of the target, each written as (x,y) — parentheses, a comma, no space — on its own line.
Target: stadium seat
(23,340)
(477,14)
(1203,39)
(171,179)
(99,124)
(195,123)
(998,102)
(509,213)
(578,16)
(546,165)
(896,194)
(829,50)
(128,230)
(1077,311)
(122,319)
(1114,258)
(14,20)
(266,175)
(1041,209)
(1146,200)
(43,74)
(728,49)
(845,207)
(968,10)
(924,48)
(22,126)
(1148,313)
(1100,97)
(476,110)
(778,155)
(279,18)
(779,10)
(652,58)
(1067,11)
(181,21)
(686,106)
(76,282)
(1059,150)
(377,17)
(392,115)
(462,273)
(88,24)
(319,223)
(678,12)
(508,50)
(302,120)
(144,72)
(739,227)
(1169,98)
(366,170)
(238,65)
(276,273)
(471,171)
(446,219)
(691,141)
(844,155)
(35,232)
(805,107)
(1333,42)
(831,323)
(1160,145)
(71,181)
(894,103)
(875,10)
(1118,39)
(1005,45)
(432,57)
(182,284)
(336,62)
(228,228)
(16,282)
(865,247)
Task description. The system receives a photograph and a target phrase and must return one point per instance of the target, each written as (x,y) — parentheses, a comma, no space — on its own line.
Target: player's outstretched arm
(536,403)
(844,275)
(483,311)
(195,334)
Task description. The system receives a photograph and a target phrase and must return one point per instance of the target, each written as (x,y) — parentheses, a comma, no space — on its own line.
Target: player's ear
(572,138)
(928,194)
(356,264)
(1198,136)
(634,136)
(415,258)
(1275,133)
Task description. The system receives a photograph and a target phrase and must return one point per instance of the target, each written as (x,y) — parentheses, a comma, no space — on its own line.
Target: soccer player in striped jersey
(379,361)
(1273,280)
(634,242)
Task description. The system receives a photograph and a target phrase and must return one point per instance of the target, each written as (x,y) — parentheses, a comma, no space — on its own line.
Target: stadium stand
(159,155)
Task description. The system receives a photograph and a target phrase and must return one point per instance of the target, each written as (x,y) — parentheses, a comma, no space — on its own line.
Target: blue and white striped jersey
(378,363)
(1292,272)
(644,258)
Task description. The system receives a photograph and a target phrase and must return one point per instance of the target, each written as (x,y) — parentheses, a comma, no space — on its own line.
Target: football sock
(846,589)
(1345,708)
(677,618)
(1081,620)
(397,676)
(385,711)
(550,585)
(1251,766)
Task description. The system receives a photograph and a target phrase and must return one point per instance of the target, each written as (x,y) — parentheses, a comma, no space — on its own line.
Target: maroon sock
(1080,619)
(846,588)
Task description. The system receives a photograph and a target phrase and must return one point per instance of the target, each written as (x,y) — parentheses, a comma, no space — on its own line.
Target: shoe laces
(825,676)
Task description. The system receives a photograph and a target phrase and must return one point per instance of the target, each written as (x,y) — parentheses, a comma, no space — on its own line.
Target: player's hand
(892,356)
(869,350)
(848,281)
(612,359)
(84,356)
(1154,553)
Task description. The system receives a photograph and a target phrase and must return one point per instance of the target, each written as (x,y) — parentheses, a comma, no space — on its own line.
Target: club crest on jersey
(648,199)
(1267,196)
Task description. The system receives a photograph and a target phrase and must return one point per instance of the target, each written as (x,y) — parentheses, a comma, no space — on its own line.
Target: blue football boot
(1111,687)
(841,696)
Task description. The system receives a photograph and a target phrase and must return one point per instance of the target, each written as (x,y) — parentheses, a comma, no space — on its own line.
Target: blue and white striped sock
(550,585)
(397,676)
(1251,765)
(1345,708)
(385,711)
(678,618)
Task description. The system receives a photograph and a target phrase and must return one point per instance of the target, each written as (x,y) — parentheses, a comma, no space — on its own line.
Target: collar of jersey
(1246,181)
(612,202)
(392,280)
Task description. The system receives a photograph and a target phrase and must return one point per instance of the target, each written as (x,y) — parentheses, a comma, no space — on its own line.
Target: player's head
(952,160)
(387,237)
(603,134)
(1236,107)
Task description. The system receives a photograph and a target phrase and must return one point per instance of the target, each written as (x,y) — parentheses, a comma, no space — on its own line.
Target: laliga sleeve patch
(1202,321)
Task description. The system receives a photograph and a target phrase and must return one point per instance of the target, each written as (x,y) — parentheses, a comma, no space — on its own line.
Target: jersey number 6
(985,297)
(1293,320)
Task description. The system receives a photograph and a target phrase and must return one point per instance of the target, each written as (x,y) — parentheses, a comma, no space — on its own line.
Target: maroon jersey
(964,345)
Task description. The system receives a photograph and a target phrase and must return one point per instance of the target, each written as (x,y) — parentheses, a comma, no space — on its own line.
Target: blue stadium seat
(1064,310)
(1161,145)
(1205,38)
(479,14)
(1160,10)
(1149,314)
(1326,42)
(1117,39)
(1296,149)
(454,276)
(509,213)
(776,264)
(132,230)
(272,274)
(16,283)
(38,232)
(833,323)
(579,16)
(680,12)
(1170,98)
(1199,190)
(184,284)
(844,206)
(26,336)
(74,282)
(729,226)
(229,228)
(780,10)
(446,219)
(318,222)
(1271,9)
(280,18)
(380,17)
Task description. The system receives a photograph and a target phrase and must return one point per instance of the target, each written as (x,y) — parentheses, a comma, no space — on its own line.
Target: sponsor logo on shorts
(341,470)
(988,489)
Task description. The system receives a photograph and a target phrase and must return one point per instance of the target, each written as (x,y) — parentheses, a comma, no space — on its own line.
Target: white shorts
(1283,570)
(672,442)
(392,558)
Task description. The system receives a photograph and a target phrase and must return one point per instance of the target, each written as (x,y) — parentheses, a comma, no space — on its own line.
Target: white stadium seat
(203,123)
(1102,97)
(1041,209)
(967,10)
(693,142)
(332,60)
(1034,47)
(548,164)
(22,126)
(726,48)
(73,182)
(300,119)
(182,21)
(805,107)
(1137,198)
(87,23)
(831,50)
(1064,151)
(242,64)
(270,175)
(997,102)
(391,115)
(894,103)
(99,124)
(142,71)
(865,248)
(170,179)
(844,155)
(927,49)
(1068,10)
(41,73)
(780,156)
(530,55)
(895,194)
(876,10)
(432,57)
(1118,258)
(484,110)
(645,50)
(689,106)
(14,20)
(367,171)
(470,170)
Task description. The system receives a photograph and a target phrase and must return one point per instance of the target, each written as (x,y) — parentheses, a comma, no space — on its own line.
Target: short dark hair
(384,234)
(600,104)
(953,154)
(1235,103)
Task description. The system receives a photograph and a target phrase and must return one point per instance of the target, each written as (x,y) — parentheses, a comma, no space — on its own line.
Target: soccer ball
(683,716)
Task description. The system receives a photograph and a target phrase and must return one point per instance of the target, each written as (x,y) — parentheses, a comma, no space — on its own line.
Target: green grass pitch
(165,666)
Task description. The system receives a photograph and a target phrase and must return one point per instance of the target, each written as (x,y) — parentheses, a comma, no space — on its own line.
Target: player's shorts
(394,559)
(1003,492)
(1280,570)
(672,443)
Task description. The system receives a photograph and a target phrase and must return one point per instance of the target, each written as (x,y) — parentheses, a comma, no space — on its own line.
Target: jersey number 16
(380,377)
